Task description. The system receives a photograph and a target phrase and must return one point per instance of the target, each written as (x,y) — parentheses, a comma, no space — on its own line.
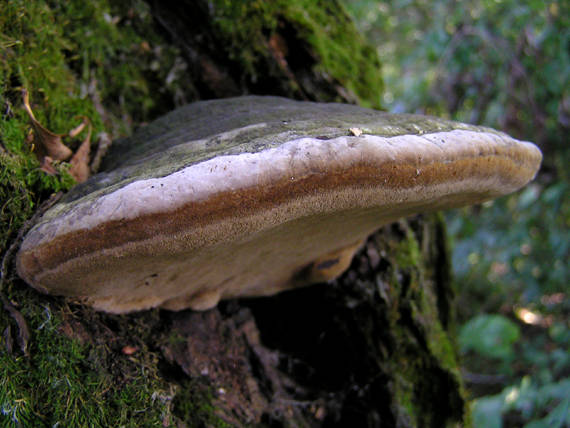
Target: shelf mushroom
(253,195)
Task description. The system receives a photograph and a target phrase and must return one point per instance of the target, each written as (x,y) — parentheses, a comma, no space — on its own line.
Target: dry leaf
(46,166)
(77,130)
(49,147)
(80,160)
(46,143)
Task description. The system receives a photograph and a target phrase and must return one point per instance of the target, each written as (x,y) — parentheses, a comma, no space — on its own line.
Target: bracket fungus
(253,195)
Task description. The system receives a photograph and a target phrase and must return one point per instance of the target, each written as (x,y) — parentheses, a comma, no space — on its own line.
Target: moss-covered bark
(301,49)
(374,348)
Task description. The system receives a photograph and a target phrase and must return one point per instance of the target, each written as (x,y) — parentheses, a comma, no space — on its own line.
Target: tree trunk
(373,348)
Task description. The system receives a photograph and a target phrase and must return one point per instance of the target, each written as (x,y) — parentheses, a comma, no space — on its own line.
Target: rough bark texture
(374,348)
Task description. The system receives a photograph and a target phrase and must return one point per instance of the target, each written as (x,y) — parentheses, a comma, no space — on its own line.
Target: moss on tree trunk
(374,348)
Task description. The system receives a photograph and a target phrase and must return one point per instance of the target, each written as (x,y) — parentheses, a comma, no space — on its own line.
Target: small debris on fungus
(129,350)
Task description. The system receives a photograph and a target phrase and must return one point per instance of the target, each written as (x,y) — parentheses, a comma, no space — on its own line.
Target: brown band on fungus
(245,202)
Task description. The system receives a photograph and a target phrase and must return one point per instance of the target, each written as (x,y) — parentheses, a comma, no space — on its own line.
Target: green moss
(20,182)
(16,199)
(416,319)
(423,300)
(339,50)
(36,59)
(194,405)
(114,45)
(64,382)
(31,58)
(407,252)
(403,390)
(342,51)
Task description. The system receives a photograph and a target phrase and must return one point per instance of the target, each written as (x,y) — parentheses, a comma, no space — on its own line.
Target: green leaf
(559,417)
(489,335)
(486,412)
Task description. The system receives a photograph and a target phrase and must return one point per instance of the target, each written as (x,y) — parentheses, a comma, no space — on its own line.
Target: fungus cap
(253,195)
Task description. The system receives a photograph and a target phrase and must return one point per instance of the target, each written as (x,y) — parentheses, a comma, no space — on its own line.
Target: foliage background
(505,64)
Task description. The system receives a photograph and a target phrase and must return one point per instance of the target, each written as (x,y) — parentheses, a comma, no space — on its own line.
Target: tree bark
(302,50)
(372,348)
